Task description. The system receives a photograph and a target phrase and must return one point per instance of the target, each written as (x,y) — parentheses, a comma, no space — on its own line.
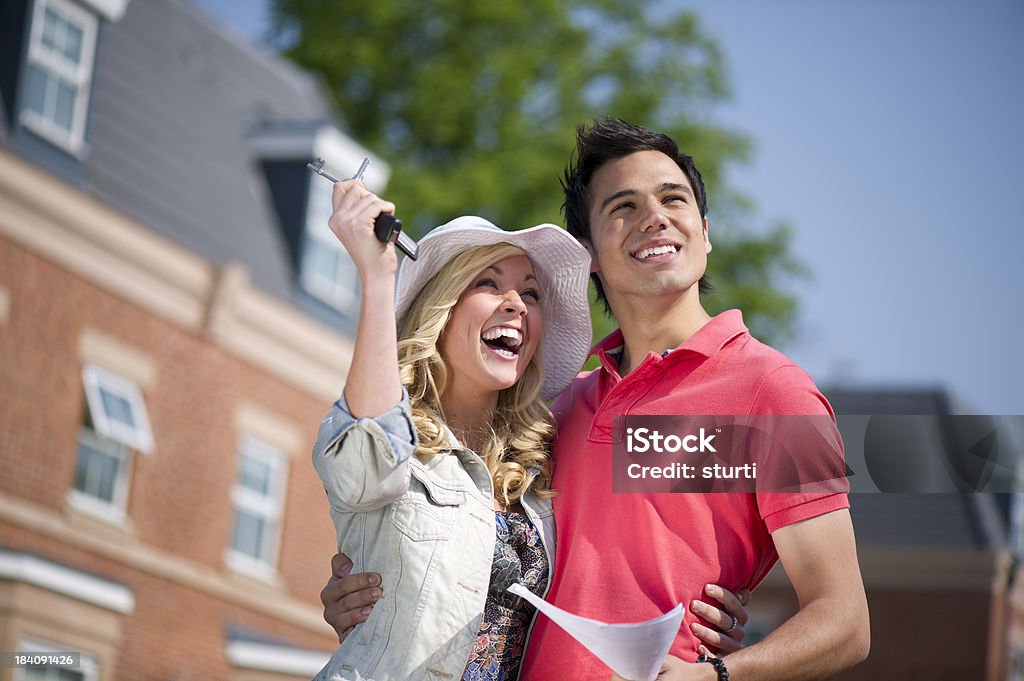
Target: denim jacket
(428,528)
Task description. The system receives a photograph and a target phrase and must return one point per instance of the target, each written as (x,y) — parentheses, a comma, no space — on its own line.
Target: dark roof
(173,98)
(897,401)
(966,520)
(934,520)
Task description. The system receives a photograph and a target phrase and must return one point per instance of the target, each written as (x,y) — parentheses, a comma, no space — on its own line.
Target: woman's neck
(469,417)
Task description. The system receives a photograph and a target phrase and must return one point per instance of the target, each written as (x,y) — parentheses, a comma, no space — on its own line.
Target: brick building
(174,321)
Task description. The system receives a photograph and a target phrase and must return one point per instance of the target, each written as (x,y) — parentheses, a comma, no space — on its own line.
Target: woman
(435,460)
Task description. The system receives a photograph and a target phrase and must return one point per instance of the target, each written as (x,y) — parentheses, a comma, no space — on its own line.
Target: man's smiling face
(648,237)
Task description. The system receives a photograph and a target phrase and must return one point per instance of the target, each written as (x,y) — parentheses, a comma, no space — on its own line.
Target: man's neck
(653,325)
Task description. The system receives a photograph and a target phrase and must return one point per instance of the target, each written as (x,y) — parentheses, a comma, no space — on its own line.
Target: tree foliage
(474,105)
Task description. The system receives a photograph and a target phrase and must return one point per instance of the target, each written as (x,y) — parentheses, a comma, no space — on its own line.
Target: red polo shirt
(631,557)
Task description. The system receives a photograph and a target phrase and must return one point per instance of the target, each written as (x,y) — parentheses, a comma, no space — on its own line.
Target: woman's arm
(368,435)
(373,384)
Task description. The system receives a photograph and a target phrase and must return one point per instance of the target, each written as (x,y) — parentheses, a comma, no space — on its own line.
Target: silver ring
(734,623)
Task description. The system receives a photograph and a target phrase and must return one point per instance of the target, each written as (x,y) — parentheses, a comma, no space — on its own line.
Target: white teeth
(657,250)
(499,331)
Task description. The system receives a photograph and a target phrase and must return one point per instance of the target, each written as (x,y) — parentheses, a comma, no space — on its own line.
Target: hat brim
(562,266)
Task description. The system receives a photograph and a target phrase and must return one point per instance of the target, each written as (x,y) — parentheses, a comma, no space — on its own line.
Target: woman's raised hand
(354,210)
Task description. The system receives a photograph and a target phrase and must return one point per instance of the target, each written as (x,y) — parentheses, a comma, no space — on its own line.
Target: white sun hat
(562,266)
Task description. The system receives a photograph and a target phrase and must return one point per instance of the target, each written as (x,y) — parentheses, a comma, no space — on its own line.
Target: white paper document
(633,651)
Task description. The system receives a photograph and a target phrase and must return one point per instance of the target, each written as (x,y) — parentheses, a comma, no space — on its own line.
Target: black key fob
(387,227)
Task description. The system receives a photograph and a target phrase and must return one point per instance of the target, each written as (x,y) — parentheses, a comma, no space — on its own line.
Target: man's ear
(707,240)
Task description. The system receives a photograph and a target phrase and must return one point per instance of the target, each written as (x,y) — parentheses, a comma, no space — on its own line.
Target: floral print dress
(518,557)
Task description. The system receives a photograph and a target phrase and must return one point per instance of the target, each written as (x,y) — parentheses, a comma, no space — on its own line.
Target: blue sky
(888,133)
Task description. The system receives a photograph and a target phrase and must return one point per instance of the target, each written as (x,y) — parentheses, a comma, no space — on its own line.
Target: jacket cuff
(395,422)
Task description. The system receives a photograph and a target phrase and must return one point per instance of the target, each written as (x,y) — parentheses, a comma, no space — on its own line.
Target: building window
(117,408)
(328,272)
(115,423)
(258,500)
(101,474)
(87,669)
(62,45)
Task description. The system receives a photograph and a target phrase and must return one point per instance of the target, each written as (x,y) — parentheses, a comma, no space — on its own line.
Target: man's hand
(674,669)
(348,599)
(725,633)
(724,636)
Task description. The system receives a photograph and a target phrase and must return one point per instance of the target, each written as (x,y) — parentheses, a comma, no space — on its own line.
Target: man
(639,206)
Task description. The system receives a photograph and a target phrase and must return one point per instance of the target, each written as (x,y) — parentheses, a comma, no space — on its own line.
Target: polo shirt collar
(611,344)
(713,336)
(708,340)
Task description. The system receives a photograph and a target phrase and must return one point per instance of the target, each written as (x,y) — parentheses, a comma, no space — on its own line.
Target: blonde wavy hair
(517,450)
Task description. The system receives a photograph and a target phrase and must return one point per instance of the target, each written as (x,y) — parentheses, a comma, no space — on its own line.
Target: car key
(387,227)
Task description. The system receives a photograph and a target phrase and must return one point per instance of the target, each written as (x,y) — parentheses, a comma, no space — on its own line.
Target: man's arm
(349,599)
(830,634)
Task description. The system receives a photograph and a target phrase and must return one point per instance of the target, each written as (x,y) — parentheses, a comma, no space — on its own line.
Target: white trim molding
(111,10)
(299,142)
(273,658)
(97,347)
(22,567)
(258,421)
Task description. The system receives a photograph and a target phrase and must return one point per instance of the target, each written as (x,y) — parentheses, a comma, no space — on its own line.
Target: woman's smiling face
(494,329)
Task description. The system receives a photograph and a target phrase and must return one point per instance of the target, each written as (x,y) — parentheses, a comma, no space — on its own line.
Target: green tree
(474,104)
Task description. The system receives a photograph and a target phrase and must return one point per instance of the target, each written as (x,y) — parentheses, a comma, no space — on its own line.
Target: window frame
(78,76)
(116,509)
(96,380)
(88,665)
(340,295)
(268,507)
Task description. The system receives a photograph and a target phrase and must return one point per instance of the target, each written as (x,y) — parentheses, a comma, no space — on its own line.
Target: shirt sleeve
(802,416)
(363,462)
